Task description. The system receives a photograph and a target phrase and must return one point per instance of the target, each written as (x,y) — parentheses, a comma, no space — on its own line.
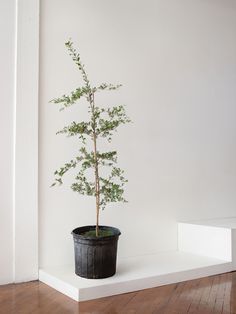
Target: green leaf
(105,86)
(81,128)
(69,100)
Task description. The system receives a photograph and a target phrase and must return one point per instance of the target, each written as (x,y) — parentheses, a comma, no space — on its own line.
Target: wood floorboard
(209,295)
(203,304)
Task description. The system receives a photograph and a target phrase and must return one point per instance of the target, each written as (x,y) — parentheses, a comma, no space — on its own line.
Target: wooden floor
(215,294)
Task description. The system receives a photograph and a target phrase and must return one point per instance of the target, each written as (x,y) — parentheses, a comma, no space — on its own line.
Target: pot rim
(116,231)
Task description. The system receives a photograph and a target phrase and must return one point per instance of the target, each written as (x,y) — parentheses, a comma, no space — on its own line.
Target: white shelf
(134,274)
(228,223)
(204,248)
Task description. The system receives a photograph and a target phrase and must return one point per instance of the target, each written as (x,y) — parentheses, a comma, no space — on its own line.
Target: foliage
(103,123)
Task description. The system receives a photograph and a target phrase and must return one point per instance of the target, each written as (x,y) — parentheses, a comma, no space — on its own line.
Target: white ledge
(205,248)
(134,274)
(228,223)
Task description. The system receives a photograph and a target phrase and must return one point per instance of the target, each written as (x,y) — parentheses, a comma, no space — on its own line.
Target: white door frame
(25,181)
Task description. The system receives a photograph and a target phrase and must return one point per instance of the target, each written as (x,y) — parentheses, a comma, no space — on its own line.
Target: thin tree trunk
(97,188)
(97,185)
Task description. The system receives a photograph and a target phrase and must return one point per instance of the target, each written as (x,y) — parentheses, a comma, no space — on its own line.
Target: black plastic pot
(95,257)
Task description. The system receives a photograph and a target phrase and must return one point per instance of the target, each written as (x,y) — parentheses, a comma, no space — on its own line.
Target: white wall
(7,38)
(177,62)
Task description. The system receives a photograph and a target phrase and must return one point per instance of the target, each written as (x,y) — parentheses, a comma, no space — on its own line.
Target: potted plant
(95,246)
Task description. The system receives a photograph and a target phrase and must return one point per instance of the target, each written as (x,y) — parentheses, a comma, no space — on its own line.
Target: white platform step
(229,222)
(134,274)
(213,237)
(204,249)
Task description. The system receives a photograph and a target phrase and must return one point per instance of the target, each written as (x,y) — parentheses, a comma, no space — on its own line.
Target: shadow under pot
(95,257)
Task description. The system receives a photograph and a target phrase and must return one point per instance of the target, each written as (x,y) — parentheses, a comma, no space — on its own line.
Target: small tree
(102,124)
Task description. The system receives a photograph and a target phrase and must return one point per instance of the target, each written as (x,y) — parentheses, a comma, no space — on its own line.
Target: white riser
(205,240)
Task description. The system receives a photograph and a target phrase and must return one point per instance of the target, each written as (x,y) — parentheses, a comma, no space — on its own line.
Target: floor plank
(209,295)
